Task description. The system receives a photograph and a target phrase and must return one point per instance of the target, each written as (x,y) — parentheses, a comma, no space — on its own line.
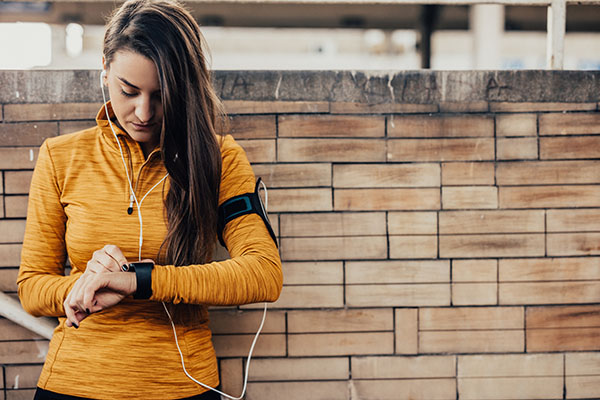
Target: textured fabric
(77,204)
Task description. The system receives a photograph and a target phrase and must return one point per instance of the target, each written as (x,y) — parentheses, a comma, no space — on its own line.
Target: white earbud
(102,75)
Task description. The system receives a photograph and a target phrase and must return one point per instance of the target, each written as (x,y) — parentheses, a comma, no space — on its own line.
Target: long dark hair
(166,33)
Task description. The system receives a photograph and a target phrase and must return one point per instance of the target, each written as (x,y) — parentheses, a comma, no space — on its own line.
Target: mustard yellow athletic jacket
(77,204)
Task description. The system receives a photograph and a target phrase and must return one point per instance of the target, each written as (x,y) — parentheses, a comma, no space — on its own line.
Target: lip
(143,127)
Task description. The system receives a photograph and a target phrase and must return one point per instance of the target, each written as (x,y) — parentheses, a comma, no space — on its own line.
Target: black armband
(143,277)
(248,203)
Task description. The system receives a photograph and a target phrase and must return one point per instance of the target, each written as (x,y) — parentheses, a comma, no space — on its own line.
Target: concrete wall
(440,232)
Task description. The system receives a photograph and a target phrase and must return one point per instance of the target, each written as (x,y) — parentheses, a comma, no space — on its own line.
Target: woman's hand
(110,258)
(95,292)
(102,285)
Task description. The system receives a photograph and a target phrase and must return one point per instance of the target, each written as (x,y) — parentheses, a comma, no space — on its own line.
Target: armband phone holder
(248,203)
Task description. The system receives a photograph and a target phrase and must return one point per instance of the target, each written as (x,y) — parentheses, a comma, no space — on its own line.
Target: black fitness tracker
(143,277)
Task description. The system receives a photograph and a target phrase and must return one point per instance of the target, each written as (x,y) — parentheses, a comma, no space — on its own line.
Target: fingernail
(75,326)
(87,310)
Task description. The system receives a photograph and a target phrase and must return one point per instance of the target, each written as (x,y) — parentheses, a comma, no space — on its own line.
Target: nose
(144,109)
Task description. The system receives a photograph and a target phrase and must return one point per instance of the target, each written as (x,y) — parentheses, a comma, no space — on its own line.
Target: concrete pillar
(486,22)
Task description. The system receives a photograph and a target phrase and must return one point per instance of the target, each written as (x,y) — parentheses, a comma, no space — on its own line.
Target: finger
(96,267)
(148,260)
(89,292)
(70,314)
(116,255)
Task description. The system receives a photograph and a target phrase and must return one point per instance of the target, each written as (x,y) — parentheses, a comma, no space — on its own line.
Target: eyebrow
(125,81)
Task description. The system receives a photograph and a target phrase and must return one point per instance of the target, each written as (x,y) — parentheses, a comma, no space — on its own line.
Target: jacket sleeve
(253,274)
(41,282)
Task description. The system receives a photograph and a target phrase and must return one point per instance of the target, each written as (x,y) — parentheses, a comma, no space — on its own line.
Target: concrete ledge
(373,87)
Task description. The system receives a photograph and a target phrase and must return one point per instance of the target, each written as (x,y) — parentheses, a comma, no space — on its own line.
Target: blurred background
(329,36)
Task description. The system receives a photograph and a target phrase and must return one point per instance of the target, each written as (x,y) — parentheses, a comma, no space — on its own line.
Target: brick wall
(440,232)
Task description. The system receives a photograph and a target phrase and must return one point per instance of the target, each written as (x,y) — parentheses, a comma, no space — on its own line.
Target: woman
(145,183)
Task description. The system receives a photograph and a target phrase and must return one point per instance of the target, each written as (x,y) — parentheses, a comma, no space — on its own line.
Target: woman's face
(132,81)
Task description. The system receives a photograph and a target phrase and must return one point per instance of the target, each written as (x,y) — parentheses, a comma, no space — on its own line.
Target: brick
(548,172)
(390,367)
(299,369)
(483,270)
(516,125)
(470,149)
(328,125)
(44,112)
(430,389)
(406,332)
(238,321)
(307,296)
(282,200)
(413,246)
(382,108)
(65,127)
(267,107)
(8,279)
(386,199)
(481,246)
(465,197)
(18,157)
(310,273)
(533,106)
(510,365)
(516,149)
(334,248)
(294,175)
(26,134)
(325,390)
(12,331)
(563,317)
(441,126)
(22,376)
(340,344)
(584,220)
(582,387)
(482,341)
(468,173)
(393,271)
(386,175)
(466,106)
(10,255)
(549,196)
(12,230)
(469,294)
(259,150)
(398,295)
(331,150)
(267,345)
(582,364)
(1,206)
(25,352)
(549,269)
(345,320)
(552,148)
(17,182)
(570,124)
(471,318)
(573,244)
(510,388)
(20,394)
(412,223)
(569,339)
(549,292)
(232,375)
(1,179)
(500,221)
(253,126)
(333,224)
(16,206)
